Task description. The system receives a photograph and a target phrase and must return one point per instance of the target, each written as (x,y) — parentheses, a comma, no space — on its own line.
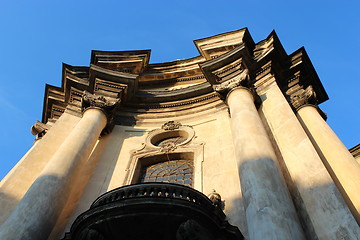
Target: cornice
(189,109)
(223,68)
(164,73)
(227,60)
(53,95)
(301,66)
(189,102)
(151,84)
(113,83)
(268,49)
(179,65)
(215,46)
(355,151)
(173,95)
(123,61)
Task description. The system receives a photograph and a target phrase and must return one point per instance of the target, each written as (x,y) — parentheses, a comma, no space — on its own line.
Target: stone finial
(39,128)
(216,199)
(303,97)
(171,125)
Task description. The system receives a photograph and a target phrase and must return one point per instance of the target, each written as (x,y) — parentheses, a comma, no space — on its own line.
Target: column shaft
(315,195)
(341,165)
(35,215)
(270,213)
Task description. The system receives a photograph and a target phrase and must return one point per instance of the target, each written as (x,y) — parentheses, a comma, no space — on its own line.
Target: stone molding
(170,129)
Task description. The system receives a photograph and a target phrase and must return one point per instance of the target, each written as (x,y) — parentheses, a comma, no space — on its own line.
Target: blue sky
(37,36)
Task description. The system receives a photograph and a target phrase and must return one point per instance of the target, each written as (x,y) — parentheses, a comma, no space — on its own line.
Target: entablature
(303,74)
(226,60)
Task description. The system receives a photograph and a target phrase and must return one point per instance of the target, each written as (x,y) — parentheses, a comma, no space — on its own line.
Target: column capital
(303,97)
(231,71)
(240,80)
(105,104)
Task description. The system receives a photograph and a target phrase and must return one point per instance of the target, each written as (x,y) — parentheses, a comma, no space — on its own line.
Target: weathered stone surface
(14,186)
(35,215)
(270,213)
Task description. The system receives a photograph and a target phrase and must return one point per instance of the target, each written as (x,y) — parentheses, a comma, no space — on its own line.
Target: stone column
(339,162)
(36,214)
(270,213)
(315,195)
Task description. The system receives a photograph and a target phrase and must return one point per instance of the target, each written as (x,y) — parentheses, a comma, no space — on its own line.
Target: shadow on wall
(34,215)
(94,179)
(8,200)
(335,228)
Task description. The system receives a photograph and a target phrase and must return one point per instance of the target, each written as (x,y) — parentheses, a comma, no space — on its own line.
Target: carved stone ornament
(303,97)
(216,199)
(106,104)
(171,125)
(39,128)
(171,136)
(240,80)
(169,146)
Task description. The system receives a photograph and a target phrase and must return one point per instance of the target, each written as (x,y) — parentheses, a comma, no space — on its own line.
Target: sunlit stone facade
(130,150)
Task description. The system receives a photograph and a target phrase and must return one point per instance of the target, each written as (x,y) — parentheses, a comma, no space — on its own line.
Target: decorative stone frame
(151,154)
(164,133)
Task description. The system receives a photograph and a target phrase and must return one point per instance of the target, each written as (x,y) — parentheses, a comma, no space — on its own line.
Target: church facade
(230,144)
